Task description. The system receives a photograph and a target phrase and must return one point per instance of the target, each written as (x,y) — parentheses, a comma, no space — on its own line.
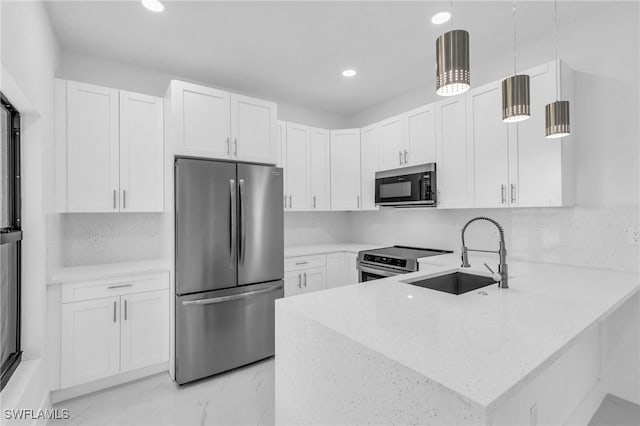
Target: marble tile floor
(243,396)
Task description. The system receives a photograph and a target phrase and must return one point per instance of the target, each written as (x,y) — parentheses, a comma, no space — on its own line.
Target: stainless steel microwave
(413,186)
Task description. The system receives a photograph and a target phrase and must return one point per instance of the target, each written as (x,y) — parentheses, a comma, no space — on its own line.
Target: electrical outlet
(533,415)
(95,238)
(633,236)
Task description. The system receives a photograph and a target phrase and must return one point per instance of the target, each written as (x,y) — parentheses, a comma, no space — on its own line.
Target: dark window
(10,242)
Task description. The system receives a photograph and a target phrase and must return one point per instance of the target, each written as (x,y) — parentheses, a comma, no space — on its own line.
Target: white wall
(603,51)
(29,55)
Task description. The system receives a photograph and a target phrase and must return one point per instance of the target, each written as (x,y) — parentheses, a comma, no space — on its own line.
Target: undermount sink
(455,283)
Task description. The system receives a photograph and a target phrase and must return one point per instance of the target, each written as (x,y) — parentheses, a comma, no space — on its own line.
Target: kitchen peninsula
(386,352)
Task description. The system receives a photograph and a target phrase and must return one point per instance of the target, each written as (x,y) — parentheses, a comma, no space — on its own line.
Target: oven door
(369,273)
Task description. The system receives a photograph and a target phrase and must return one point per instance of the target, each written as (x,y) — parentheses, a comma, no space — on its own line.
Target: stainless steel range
(389,261)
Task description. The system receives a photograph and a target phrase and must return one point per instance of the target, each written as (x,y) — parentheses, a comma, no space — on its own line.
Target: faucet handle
(495,275)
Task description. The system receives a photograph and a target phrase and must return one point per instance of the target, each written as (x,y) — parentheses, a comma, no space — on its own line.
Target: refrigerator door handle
(232,218)
(230,298)
(243,228)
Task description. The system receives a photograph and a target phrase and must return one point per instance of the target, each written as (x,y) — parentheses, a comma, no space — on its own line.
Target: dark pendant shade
(556,123)
(516,105)
(452,63)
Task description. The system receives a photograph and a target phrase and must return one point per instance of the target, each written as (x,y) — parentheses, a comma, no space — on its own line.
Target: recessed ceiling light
(349,73)
(440,18)
(153,5)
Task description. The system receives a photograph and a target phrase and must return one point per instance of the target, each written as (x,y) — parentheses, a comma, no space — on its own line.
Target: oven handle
(381,272)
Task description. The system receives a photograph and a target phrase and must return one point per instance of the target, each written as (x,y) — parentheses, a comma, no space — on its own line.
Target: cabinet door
(141,153)
(297,166)
(282,146)
(319,170)
(345,169)
(421,135)
(369,161)
(489,138)
(452,165)
(392,143)
(335,270)
(253,129)
(292,283)
(313,280)
(90,340)
(536,175)
(92,148)
(351,273)
(203,120)
(145,329)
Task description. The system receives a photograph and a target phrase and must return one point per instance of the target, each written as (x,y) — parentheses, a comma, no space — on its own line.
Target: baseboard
(98,385)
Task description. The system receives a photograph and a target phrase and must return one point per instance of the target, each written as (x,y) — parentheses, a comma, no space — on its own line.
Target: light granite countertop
(107,270)
(479,346)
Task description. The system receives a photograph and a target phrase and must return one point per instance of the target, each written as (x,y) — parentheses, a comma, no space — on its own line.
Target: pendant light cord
(555,25)
(514,38)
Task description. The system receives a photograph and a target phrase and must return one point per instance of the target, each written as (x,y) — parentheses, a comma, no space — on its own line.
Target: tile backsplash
(91,238)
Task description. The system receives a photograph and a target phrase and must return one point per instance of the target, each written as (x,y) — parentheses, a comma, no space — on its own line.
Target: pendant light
(556,114)
(516,105)
(452,62)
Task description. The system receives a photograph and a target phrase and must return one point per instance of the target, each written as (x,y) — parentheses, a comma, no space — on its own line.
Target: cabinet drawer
(304,262)
(86,290)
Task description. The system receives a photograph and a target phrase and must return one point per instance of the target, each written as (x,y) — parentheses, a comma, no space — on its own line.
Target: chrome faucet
(503,269)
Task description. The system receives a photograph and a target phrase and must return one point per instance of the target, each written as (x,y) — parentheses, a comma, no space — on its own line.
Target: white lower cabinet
(90,340)
(144,338)
(305,274)
(123,331)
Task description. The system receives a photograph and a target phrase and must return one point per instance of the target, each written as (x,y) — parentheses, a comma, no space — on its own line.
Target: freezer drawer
(220,330)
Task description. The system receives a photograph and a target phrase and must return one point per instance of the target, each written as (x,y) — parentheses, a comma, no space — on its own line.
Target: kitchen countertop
(107,270)
(308,250)
(478,346)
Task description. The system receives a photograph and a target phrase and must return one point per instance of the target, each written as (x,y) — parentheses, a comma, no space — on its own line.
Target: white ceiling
(295,51)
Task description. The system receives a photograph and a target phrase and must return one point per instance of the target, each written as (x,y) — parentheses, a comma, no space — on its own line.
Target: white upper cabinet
(453,171)
(489,138)
(319,169)
(392,149)
(345,169)
(201,120)
(541,169)
(282,145)
(369,163)
(212,123)
(141,153)
(297,166)
(109,149)
(92,152)
(253,129)
(420,136)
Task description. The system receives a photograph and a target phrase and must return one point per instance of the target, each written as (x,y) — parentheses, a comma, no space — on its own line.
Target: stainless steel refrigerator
(229,264)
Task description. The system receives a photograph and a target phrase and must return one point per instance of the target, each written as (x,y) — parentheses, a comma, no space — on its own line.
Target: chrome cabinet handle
(305,279)
(405,156)
(114,199)
(314,201)
(302,263)
(400,157)
(114,311)
(111,287)
(228,147)
(289,201)
(235,147)
(124,198)
(513,193)
(243,228)
(358,200)
(503,192)
(285,201)
(125,309)
(232,218)
(299,281)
